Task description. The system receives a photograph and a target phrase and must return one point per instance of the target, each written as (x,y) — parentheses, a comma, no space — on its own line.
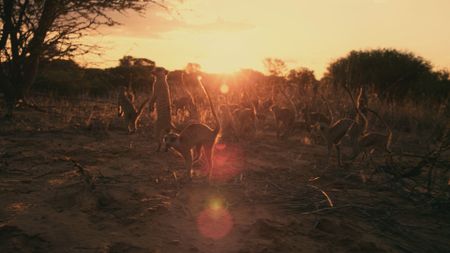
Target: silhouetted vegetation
(36,30)
(393,75)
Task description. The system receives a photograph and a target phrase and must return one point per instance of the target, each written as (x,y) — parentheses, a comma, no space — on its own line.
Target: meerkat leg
(278,128)
(390,160)
(338,150)
(133,126)
(287,131)
(330,149)
(120,111)
(162,133)
(208,154)
(188,163)
(159,135)
(130,126)
(197,152)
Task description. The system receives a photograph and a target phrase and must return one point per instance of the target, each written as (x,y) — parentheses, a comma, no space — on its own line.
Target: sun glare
(224,88)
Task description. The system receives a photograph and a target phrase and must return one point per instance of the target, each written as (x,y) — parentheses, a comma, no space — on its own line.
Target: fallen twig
(324,193)
(327,209)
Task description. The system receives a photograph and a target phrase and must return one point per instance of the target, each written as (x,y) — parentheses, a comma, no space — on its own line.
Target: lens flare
(216,204)
(215,221)
(224,88)
(228,162)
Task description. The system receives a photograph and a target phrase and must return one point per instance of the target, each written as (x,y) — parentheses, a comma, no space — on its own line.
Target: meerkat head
(319,126)
(171,140)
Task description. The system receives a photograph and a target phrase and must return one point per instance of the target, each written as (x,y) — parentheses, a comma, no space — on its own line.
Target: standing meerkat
(312,118)
(246,120)
(333,135)
(227,123)
(373,140)
(284,116)
(195,136)
(182,104)
(161,97)
(127,109)
(123,95)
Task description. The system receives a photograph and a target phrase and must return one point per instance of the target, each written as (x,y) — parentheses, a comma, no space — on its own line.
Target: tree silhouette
(392,74)
(304,79)
(133,72)
(35,29)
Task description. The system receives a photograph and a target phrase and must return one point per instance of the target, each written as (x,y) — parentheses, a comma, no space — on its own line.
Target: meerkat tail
(388,128)
(356,105)
(217,129)
(142,107)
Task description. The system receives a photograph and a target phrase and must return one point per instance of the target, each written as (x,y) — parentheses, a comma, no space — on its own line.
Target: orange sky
(224,36)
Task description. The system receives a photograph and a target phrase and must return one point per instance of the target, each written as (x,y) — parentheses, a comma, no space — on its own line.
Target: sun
(224,88)
(221,65)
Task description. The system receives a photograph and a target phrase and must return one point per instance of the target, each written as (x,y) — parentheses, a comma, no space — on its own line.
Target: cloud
(155,25)
(222,25)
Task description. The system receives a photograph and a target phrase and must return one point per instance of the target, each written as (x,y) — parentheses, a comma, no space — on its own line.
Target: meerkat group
(197,139)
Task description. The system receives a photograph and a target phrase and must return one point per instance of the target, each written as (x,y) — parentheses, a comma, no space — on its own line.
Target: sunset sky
(224,36)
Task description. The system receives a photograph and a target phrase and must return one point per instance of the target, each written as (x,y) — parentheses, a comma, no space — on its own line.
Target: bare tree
(33,29)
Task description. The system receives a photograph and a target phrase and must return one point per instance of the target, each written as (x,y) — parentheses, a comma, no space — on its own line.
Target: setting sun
(224,88)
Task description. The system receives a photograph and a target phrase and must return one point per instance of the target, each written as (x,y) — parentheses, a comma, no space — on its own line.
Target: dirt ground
(69,189)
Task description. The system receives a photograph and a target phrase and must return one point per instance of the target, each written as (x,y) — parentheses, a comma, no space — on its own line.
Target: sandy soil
(73,190)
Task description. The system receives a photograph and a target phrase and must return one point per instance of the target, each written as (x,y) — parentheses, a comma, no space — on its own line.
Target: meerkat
(161,97)
(129,111)
(284,116)
(333,135)
(312,118)
(291,102)
(263,110)
(124,95)
(181,106)
(183,103)
(245,119)
(373,140)
(316,117)
(195,137)
(267,104)
(227,122)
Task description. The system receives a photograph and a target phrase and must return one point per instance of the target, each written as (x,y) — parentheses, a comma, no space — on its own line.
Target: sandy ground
(73,190)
